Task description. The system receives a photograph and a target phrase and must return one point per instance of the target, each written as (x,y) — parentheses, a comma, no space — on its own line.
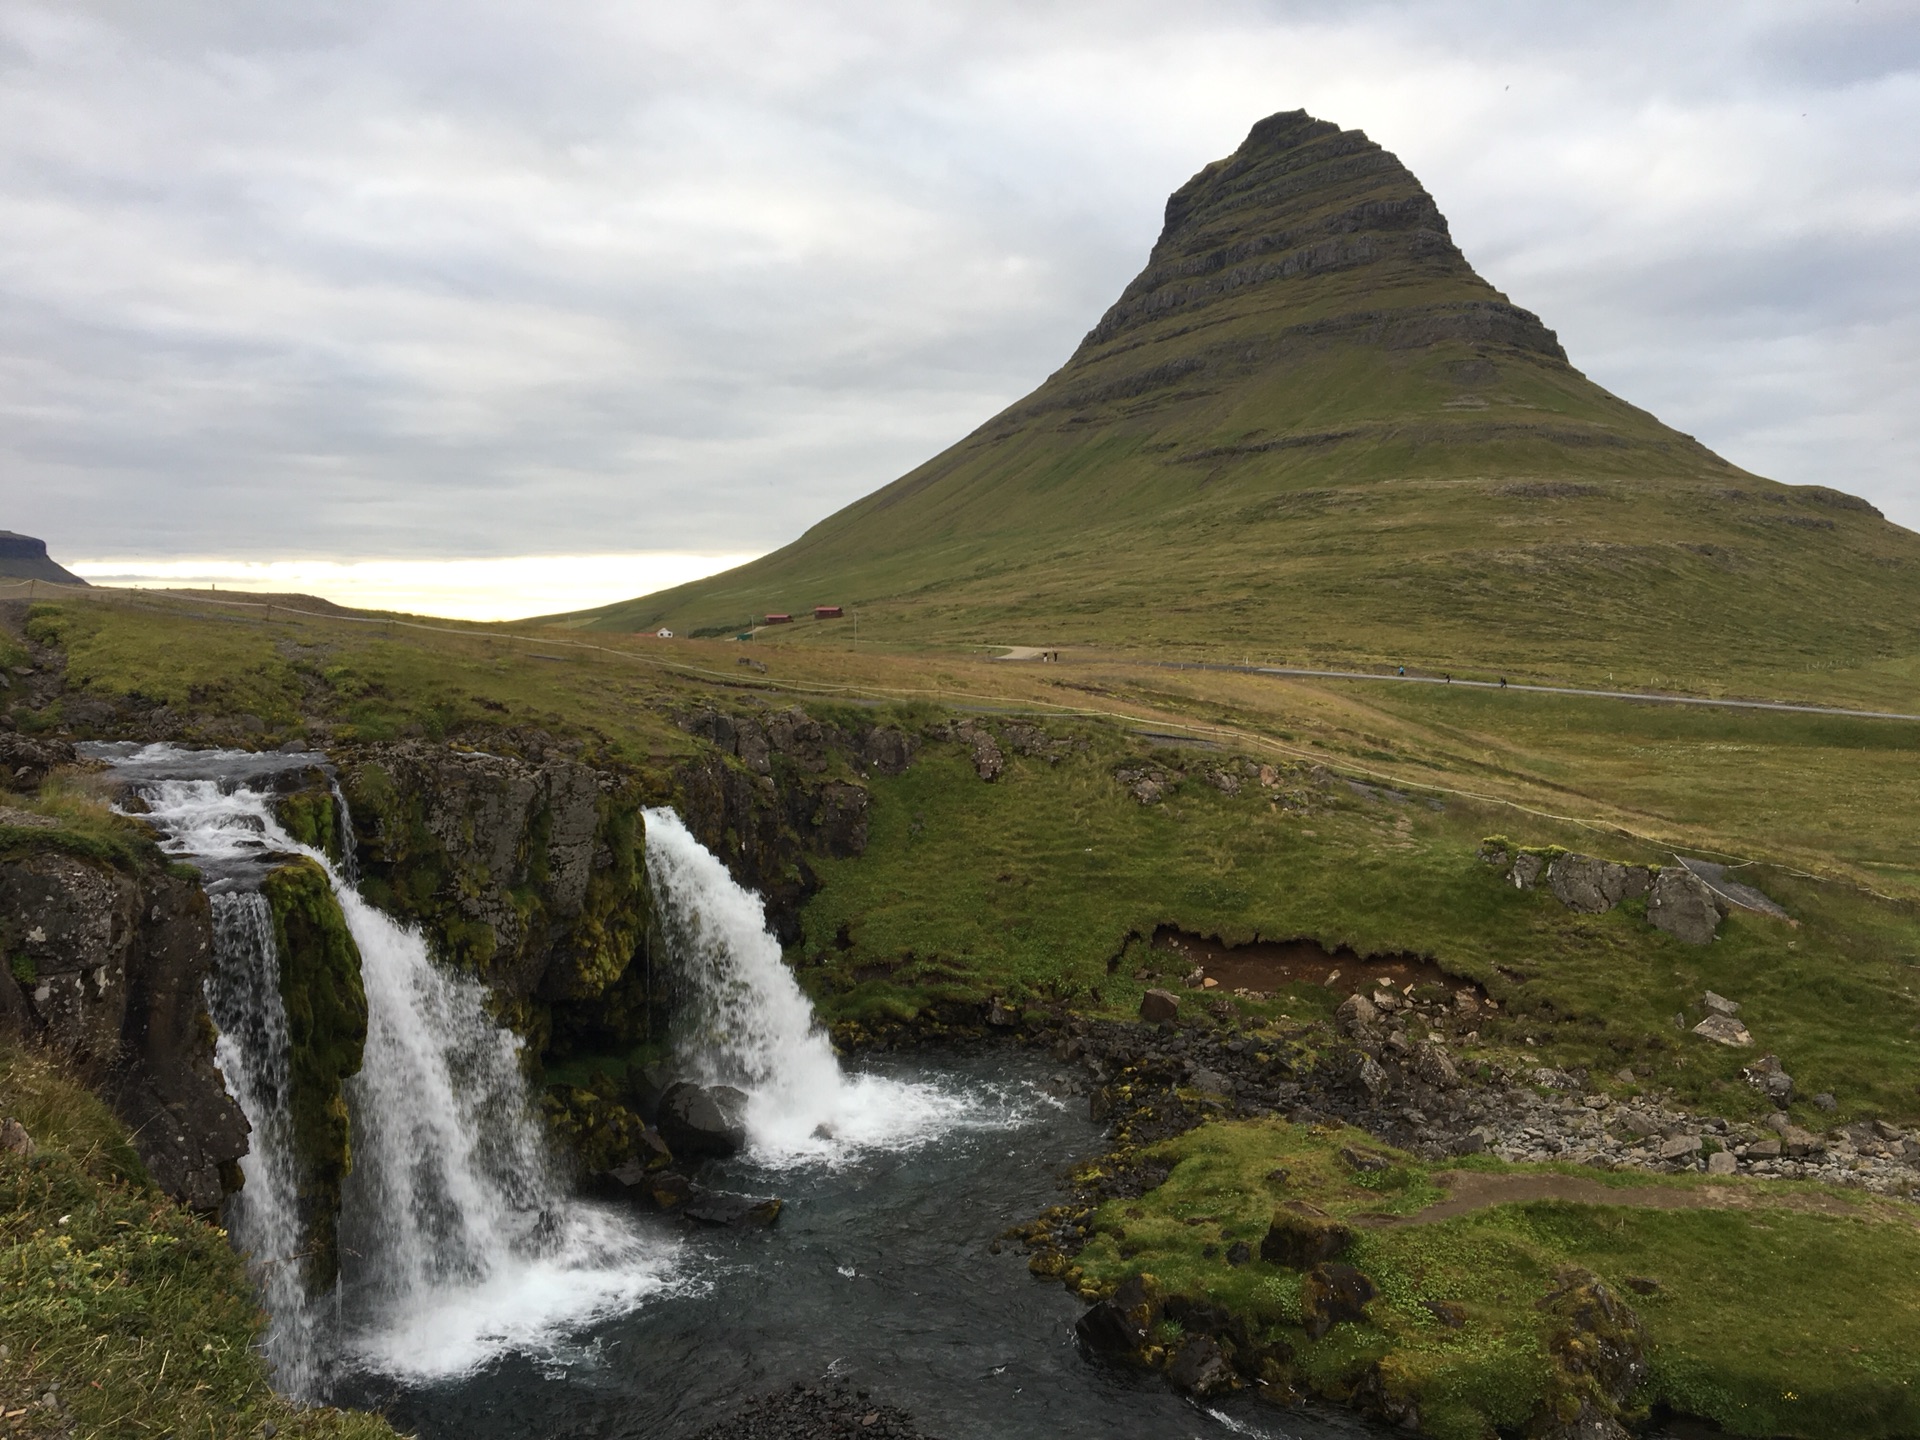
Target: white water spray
(744,1022)
(458,1240)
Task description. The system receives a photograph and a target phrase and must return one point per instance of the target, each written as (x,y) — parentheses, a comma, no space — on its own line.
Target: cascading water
(243,997)
(458,1240)
(743,1021)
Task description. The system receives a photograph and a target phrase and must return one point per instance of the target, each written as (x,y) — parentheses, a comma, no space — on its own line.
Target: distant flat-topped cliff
(1309,429)
(24,558)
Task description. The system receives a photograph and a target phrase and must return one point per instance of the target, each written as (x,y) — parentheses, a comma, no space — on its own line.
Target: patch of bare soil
(1268,965)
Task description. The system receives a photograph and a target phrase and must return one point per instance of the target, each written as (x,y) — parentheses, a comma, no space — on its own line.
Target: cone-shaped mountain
(1308,430)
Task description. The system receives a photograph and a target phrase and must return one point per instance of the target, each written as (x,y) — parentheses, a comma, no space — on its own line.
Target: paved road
(1546,690)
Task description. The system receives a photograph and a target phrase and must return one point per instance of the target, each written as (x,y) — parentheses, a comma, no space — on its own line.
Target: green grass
(1757,1323)
(1031,887)
(135,1309)
(332,682)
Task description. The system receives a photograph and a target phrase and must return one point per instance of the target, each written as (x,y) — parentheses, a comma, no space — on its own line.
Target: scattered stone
(1767,1075)
(1001,1015)
(1723,1030)
(1825,1101)
(1799,1143)
(1333,1293)
(1303,1236)
(1157,1006)
(1449,1313)
(14,1139)
(1365,1161)
(1680,1147)
(1239,1253)
(1526,871)
(1642,1285)
(1683,905)
(1356,1015)
(1722,1162)
(1719,1004)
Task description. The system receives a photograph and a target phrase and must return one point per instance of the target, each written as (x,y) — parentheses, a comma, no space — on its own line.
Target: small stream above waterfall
(479,1298)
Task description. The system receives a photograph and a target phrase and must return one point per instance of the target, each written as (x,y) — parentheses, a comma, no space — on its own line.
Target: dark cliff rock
(106,966)
(771,798)
(326,1032)
(529,874)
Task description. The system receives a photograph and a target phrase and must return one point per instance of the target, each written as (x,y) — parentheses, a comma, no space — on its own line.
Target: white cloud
(420,278)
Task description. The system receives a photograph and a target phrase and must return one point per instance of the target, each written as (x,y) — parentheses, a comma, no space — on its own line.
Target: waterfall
(243,997)
(458,1239)
(743,1020)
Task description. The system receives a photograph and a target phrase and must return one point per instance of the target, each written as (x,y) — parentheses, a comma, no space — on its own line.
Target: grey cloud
(425,278)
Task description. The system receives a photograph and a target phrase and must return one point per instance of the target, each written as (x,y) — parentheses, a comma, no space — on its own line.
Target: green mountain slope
(1308,430)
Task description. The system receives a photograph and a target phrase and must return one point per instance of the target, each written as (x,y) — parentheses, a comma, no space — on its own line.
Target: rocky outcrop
(530,873)
(106,965)
(1683,905)
(1580,882)
(1597,1349)
(773,797)
(326,1010)
(1679,902)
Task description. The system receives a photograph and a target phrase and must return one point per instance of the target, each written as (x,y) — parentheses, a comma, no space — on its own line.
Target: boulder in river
(703,1119)
(739,1212)
(1200,1368)
(1116,1328)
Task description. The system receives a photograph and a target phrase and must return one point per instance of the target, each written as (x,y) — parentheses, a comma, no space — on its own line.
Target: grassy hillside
(123,1314)
(1310,431)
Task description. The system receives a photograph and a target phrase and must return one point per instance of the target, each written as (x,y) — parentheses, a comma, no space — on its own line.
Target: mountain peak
(1303,201)
(1307,427)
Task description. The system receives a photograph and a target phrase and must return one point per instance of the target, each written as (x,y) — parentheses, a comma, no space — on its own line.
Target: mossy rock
(326,1032)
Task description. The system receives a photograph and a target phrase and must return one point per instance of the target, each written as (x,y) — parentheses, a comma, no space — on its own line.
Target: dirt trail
(1469,1190)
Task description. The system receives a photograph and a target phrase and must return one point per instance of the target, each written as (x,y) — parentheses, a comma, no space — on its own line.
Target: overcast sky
(455,278)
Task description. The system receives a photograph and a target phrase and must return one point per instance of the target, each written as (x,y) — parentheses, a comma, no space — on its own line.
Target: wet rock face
(531,873)
(768,814)
(107,967)
(67,925)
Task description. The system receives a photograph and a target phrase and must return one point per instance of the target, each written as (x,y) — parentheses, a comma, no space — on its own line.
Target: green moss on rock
(327,1032)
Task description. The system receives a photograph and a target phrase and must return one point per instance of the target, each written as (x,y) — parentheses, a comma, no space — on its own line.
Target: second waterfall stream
(460,1239)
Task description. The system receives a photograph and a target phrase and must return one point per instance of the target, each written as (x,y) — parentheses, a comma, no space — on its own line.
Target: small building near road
(826,612)
(780,618)
(664,633)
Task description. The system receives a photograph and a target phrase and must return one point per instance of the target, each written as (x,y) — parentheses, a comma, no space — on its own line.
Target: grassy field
(1742,1294)
(135,1314)
(1046,884)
